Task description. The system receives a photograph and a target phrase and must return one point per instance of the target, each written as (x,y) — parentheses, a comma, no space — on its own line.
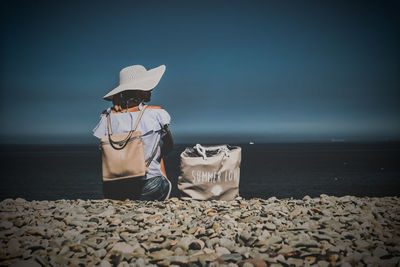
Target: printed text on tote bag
(215,177)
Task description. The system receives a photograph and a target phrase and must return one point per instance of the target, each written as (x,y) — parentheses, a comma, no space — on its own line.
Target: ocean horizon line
(215,143)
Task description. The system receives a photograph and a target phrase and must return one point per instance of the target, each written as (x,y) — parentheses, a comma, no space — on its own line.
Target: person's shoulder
(160,113)
(154,107)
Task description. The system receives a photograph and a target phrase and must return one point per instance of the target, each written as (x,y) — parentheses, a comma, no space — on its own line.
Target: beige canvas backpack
(122,155)
(210,172)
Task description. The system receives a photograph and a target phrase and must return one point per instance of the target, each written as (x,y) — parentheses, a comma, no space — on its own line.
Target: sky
(236,71)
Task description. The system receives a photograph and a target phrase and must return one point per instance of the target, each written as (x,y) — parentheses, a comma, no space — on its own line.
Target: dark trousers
(154,188)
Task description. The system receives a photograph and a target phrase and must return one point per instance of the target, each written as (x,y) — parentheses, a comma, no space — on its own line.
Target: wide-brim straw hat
(136,77)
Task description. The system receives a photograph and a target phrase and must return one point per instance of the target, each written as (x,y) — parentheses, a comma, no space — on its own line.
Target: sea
(282,170)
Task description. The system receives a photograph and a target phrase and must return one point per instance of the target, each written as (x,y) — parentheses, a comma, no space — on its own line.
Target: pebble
(321,231)
(104,263)
(6,224)
(323,263)
(27,263)
(221,251)
(379,252)
(232,257)
(100,253)
(274,240)
(13,246)
(227,243)
(270,226)
(295,261)
(196,245)
(245,235)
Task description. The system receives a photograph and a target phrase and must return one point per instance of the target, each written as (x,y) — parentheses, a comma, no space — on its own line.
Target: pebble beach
(321,231)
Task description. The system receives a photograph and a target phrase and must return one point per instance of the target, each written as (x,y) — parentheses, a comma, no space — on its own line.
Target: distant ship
(337,140)
(251,143)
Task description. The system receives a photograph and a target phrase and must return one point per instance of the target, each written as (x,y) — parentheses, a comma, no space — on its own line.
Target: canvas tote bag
(122,155)
(210,172)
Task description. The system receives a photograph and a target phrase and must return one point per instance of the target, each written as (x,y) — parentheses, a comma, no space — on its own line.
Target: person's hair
(124,99)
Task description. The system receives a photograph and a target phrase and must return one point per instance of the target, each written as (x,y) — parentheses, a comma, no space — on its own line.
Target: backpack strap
(125,141)
(139,117)
(152,155)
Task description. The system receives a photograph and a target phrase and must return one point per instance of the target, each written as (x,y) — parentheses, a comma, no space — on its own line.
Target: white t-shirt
(151,126)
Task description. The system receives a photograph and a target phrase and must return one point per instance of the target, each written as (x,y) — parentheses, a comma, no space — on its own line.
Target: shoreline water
(281,170)
(319,231)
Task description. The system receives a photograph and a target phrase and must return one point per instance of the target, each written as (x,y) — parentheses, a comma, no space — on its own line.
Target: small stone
(244,251)
(13,246)
(207,250)
(253,262)
(161,254)
(100,253)
(295,261)
(274,240)
(345,199)
(122,248)
(155,239)
(304,243)
(310,259)
(297,211)
(196,244)
(286,249)
(123,264)
(179,260)
(362,244)
(104,263)
(114,221)
(212,242)
(232,257)
(390,262)
(61,260)
(372,261)
(379,252)
(236,214)
(71,234)
(245,236)
(20,201)
(200,231)
(323,264)
(6,225)
(27,263)
(64,250)
(78,223)
(179,251)
(229,244)
(270,226)
(211,212)
(94,219)
(125,236)
(140,262)
(272,199)
(221,251)
(184,243)
(132,229)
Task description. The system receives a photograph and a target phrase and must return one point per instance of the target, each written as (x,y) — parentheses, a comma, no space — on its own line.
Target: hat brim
(145,83)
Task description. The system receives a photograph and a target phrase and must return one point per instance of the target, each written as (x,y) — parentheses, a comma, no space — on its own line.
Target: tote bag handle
(202,150)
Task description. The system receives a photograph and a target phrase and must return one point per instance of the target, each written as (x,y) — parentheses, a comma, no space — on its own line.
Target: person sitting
(136,85)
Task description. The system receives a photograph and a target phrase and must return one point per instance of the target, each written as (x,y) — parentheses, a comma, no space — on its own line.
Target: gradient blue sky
(236,70)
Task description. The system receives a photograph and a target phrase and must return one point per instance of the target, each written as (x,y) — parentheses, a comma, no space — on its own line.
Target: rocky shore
(322,231)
